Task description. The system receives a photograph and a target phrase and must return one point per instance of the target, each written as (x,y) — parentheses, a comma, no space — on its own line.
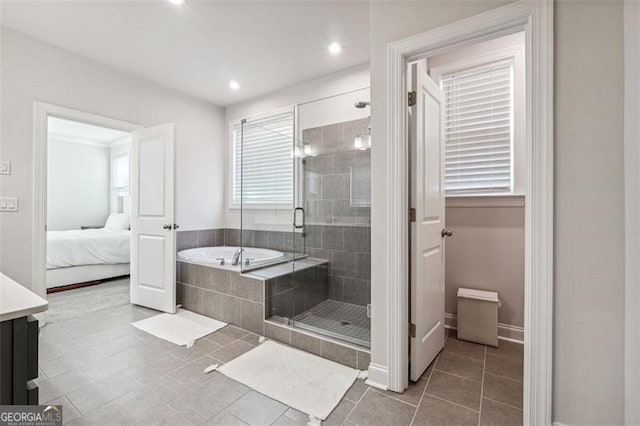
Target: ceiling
(197,48)
(74,131)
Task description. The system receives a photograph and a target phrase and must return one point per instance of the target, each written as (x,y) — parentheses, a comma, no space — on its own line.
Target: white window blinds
(263,160)
(119,178)
(479,130)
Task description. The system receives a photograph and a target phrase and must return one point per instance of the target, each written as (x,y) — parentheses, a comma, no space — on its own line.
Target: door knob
(446,233)
(167,226)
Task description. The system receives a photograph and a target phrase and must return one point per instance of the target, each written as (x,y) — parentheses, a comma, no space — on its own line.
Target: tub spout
(236,257)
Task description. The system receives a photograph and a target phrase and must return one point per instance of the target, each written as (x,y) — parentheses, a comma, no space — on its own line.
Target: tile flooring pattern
(105,372)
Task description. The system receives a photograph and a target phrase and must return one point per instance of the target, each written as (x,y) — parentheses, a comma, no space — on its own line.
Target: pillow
(117,221)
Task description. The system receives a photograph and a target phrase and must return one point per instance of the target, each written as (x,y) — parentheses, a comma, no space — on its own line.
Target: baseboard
(378,376)
(559,424)
(67,287)
(508,332)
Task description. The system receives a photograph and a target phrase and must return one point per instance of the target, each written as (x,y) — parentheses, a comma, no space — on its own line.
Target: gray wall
(348,250)
(328,175)
(589,263)
(589,233)
(487,252)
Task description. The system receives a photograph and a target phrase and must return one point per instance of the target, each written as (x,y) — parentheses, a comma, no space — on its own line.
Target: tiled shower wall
(347,248)
(337,177)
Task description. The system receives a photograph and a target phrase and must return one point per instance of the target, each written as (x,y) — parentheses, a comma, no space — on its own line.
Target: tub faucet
(236,257)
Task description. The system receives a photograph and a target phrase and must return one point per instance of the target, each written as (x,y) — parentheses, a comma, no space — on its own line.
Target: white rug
(182,328)
(298,379)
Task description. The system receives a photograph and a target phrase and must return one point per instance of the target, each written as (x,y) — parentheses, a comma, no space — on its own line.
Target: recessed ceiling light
(176,2)
(234,85)
(335,48)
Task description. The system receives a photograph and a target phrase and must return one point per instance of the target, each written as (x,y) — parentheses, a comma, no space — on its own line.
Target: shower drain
(344,323)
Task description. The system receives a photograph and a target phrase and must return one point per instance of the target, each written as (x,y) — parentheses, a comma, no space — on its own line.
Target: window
(119,180)
(263,161)
(361,185)
(479,136)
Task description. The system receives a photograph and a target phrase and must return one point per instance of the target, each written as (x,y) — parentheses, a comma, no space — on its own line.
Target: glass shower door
(332,285)
(302,184)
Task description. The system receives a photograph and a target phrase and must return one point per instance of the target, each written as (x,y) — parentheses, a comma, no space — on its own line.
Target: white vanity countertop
(17,301)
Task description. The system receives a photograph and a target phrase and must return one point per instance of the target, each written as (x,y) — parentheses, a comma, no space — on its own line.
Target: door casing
(42,111)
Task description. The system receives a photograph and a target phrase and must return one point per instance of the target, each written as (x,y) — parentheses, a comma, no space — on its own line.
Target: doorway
(88,209)
(76,155)
(536,20)
(467,159)
(140,205)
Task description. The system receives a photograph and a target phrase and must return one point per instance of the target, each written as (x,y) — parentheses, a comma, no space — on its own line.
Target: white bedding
(87,247)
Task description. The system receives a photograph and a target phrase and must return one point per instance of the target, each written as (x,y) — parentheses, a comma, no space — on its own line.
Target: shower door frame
(389,364)
(300,197)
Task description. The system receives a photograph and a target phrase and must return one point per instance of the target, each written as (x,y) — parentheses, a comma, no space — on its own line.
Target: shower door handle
(295,218)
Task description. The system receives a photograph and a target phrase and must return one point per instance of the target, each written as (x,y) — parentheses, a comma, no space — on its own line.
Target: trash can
(478,316)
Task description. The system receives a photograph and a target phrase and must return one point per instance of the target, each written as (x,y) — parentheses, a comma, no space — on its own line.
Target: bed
(80,256)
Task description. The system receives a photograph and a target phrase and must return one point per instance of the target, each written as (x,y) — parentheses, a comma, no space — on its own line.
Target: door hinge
(412,330)
(412,98)
(412,215)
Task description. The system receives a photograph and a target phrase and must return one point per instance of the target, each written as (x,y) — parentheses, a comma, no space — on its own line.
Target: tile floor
(105,372)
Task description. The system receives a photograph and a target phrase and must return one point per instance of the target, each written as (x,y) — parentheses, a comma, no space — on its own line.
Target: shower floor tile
(341,320)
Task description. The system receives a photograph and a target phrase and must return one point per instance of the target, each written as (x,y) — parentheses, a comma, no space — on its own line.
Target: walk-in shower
(303,186)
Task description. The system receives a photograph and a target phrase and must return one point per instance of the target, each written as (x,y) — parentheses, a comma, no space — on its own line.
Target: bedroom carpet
(75,303)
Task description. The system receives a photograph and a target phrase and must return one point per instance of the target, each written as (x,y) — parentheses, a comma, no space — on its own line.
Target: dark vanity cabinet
(19,361)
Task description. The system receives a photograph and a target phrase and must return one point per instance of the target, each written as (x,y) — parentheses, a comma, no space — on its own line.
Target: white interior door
(153,241)
(426,130)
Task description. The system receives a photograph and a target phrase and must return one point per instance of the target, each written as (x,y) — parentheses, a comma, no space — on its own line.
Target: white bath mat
(298,379)
(182,328)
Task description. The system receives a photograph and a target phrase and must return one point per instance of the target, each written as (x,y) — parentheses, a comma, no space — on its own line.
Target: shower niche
(318,216)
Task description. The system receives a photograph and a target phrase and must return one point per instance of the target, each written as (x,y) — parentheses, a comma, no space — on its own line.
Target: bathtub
(213,255)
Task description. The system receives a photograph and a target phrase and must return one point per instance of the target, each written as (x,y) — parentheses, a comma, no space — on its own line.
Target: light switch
(5,167)
(8,204)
